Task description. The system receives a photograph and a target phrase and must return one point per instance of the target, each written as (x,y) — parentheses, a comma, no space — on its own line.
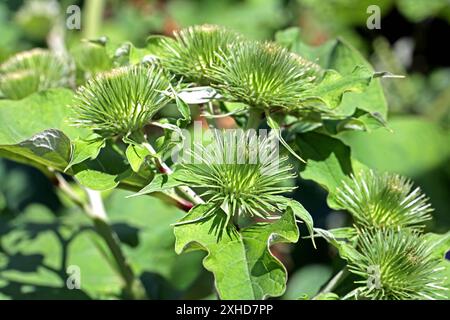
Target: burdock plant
(122,101)
(238,183)
(387,249)
(195,51)
(241,174)
(264,75)
(384,201)
(396,265)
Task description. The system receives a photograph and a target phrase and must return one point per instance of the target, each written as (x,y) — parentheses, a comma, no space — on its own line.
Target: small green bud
(194,51)
(26,68)
(384,201)
(264,75)
(396,265)
(121,101)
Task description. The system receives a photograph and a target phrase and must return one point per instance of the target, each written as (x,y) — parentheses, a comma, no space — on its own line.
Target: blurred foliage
(37,248)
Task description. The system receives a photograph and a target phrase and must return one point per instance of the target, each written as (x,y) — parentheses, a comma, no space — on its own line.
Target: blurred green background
(41,233)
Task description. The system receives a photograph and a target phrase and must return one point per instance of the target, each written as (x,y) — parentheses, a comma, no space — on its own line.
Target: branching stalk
(164,168)
(94,208)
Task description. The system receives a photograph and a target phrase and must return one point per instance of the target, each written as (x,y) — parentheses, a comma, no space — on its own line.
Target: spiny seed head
(241,173)
(193,52)
(27,67)
(396,265)
(384,201)
(121,101)
(19,84)
(264,75)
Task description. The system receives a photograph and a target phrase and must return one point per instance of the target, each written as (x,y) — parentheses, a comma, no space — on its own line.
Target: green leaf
(97,180)
(37,250)
(184,109)
(327,159)
(50,148)
(360,121)
(35,130)
(307,281)
(18,118)
(107,170)
(37,247)
(162,182)
(144,225)
(84,149)
(330,90)
(303,214)
(344,58)
(327,296)
(136,156)
(415,146)
(241,262)
(343,239)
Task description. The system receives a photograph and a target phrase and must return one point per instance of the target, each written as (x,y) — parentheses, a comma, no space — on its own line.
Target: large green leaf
(241,262)
(330,91)
(34,256)
(327,159)
(35,130)
(307,281)
(342,57)
(49,148)
(21,119)
(414,147)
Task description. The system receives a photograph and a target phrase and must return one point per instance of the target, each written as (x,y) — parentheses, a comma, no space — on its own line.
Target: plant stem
(254,119)
(175,199)
(93,16)
(133,286)
(95,210)
(164,168)
(334,282)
